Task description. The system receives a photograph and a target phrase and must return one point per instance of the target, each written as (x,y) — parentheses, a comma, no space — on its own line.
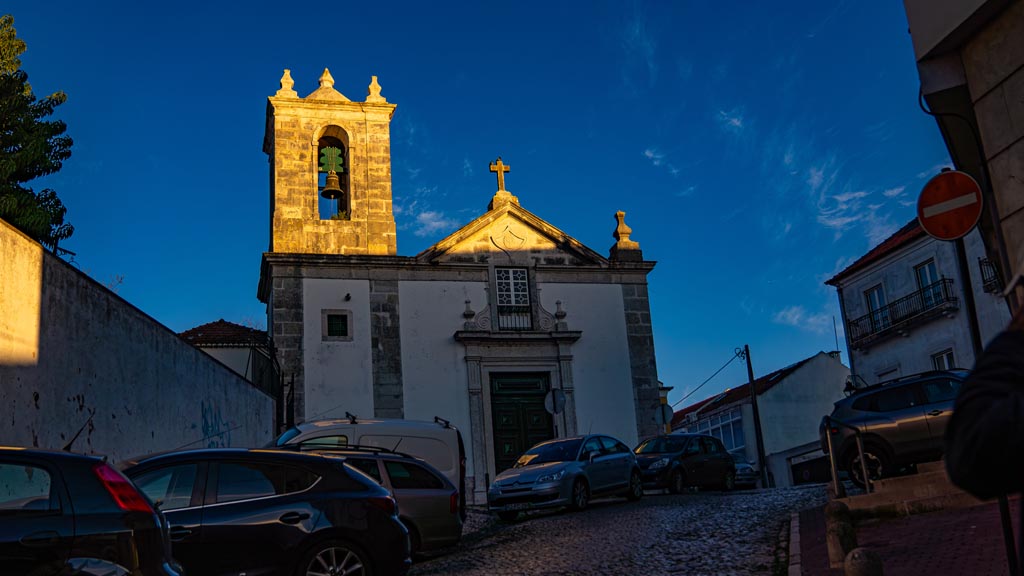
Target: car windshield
(560,451)
(660,445)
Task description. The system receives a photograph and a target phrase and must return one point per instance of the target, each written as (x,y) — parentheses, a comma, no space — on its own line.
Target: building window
(928,283)
(513,299)
(726,426)
(944,360)
(875,298)
(336,325)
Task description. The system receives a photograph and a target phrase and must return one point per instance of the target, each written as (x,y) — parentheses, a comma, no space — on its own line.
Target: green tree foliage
(30,147)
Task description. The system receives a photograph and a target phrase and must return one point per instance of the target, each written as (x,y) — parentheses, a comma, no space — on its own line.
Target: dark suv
(901,421)
(274,513)
(63,513)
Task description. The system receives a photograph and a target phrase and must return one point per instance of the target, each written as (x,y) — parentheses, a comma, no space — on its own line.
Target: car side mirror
(592,454)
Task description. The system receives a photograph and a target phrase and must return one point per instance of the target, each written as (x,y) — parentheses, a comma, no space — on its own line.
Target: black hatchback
(677,461)
(269,512)
(63,513)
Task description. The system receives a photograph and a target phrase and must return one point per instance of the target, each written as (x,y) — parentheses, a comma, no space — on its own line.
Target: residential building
(904,306)
(791,402)
(970,58)
(477,329)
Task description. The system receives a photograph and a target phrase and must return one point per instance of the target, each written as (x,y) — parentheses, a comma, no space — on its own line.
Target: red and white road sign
(949,205)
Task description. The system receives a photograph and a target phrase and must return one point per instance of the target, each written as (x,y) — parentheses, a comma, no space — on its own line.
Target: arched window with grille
(333,184)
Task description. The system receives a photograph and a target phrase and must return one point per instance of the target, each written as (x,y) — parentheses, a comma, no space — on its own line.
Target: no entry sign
(949,205)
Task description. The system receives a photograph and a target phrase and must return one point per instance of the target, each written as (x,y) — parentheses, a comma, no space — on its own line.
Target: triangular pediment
(511,235)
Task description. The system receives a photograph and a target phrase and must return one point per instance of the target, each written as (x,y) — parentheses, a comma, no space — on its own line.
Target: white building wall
(338,375)
(792,410)
(434,372)
(602,378)
(911,354)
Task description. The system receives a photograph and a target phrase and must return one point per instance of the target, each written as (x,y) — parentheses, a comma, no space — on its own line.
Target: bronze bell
(332,189)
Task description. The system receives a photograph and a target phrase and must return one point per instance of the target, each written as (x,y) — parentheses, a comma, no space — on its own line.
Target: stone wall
(74,355)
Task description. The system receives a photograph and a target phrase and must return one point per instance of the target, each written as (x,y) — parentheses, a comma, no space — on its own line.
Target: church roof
(504,228)
(223,333)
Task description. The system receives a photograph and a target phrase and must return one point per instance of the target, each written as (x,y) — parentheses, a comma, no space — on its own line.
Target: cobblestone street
(706,533)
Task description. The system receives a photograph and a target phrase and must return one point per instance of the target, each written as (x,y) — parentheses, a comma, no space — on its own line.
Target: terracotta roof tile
(223,333)
(912,231)
(762,385)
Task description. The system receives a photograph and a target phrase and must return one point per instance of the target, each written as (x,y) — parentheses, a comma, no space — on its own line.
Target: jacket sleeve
(985,436)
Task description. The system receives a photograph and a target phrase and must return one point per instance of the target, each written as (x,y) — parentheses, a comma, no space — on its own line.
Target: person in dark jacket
(985,436)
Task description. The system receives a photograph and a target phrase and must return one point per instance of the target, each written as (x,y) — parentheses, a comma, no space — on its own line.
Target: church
(479,329)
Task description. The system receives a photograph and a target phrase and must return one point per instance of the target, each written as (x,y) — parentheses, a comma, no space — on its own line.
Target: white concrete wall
(69,348)
(434,372)
(338,375)
(601,367)
(792,410)
(912,354)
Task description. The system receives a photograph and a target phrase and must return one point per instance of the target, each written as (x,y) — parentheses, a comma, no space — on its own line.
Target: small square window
(336,325)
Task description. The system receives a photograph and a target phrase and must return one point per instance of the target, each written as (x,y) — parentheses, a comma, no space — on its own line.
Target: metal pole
(863,464)
(757,419)
(832,456)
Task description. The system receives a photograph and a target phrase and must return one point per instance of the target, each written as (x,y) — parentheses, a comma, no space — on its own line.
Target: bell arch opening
(333,188)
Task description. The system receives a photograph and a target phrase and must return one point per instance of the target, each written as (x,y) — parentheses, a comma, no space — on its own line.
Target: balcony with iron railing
(515,318)
(898,316)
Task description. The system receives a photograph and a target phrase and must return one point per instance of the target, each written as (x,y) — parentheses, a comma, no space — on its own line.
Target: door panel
(519,419)
(939,396)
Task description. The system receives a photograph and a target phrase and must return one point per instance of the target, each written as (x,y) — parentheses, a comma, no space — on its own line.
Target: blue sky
(757,148)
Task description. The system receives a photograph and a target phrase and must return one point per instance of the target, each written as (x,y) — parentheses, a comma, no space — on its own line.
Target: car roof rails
(901,379)
(313,447)
(442,422)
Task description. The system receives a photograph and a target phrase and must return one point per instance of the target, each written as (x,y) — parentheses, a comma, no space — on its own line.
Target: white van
(437,442)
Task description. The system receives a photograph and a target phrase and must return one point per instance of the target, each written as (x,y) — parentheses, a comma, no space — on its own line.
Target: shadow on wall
(75,358)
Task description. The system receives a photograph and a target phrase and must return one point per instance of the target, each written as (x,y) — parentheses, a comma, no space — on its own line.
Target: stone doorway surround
(508,352)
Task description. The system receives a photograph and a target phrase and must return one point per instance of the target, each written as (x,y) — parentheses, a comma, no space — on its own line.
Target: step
(937,477)
(925,467)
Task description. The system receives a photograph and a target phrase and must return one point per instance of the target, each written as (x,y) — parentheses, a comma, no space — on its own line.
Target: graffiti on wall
(216,430)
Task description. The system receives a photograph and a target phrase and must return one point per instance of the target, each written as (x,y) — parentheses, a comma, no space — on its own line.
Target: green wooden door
(518,415)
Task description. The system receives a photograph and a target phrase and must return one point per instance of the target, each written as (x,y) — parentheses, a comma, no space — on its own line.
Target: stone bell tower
(324,134)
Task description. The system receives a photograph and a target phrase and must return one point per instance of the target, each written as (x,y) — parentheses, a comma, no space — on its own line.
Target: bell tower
(330,171)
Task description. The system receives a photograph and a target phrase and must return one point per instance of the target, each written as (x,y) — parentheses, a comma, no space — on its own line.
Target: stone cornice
(505,338)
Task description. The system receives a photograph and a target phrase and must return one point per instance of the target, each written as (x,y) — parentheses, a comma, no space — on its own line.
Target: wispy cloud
(433,221)
(639,46)
(732,120)
(894,192)
(467,168)
(933,170)
(654,156)
(688,191)
(799,317)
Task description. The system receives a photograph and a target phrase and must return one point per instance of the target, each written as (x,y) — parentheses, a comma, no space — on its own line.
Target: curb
(795,568)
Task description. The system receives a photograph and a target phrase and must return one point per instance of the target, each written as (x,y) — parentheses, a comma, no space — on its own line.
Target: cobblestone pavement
(712,533)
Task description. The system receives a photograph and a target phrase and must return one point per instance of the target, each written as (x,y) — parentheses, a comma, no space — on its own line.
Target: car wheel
(636,486)
(508,516)
(334,557)
(580,495)
(677,482)
(876,461)
(729,482)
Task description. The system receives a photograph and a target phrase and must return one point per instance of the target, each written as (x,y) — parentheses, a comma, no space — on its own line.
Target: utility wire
(735,356)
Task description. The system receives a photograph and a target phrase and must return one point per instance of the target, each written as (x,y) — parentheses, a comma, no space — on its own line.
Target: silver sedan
(566,472)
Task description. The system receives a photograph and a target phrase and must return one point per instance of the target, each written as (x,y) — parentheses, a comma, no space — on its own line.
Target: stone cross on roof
(500,168)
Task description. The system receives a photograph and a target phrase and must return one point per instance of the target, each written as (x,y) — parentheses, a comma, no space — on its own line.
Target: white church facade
(477,329)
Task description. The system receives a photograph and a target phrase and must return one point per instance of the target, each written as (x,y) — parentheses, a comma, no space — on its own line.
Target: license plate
(519,506)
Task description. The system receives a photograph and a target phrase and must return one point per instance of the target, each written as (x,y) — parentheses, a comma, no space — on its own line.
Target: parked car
(437,442)
(63,513)
(273,512)
(565,472)
(901,422)
(677,461)
(428,503)
(746,476)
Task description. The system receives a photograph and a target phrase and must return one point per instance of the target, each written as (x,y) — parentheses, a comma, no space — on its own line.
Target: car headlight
(659,464)
(554,477)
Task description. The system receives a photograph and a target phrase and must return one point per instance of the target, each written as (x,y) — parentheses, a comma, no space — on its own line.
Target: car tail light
(385,503)
(121,489)
(453,503)
(834,430)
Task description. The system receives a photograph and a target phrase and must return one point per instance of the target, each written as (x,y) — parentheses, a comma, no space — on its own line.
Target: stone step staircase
(928,490)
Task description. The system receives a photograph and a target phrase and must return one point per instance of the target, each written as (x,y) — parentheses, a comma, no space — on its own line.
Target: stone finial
(468,315)
(373,91)
(326,90)
(624,248)
(622,233)
(560,324)
(326,80)
(286,86)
